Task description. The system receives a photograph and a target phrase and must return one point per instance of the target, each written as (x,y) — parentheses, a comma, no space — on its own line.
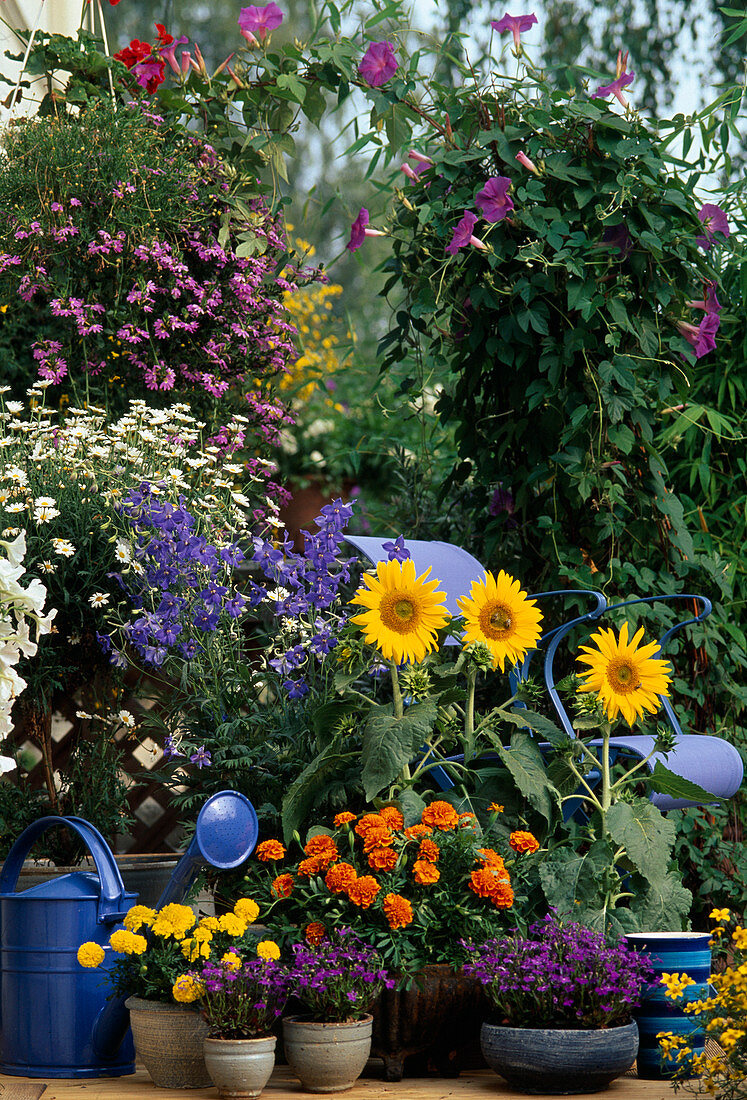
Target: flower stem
(469,717)
(399,708)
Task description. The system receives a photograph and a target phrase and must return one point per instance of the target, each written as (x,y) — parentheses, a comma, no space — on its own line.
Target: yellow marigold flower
(403,612)
(627,679)
(425,873)
(194,950)
(138,916)
(231,960)
(495,808)
(127,943)
(246,909)
(202,934)
(173,920)
(343,819)
(719,915)
(209,922)
(185,989)
(90,954)
(270,850)
(522,841)
(268,949)
(232,924)
(500,614)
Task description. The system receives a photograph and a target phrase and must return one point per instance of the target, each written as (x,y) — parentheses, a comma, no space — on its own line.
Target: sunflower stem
(469,717)
(397,700)
(604,764)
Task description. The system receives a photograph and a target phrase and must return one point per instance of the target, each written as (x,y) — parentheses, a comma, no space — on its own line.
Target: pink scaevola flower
(516,24)
(715,221)
(494,200)
(524,159)
(615,88)
(168,54)
(463,235)
(256,20)
(379,64)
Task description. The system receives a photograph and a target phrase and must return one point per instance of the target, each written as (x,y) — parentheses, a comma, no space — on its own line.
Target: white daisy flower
(63,547)
(16,507)
(14,406)
(44,515)
(123,551)
(48,567)
(98,599)
(127,719)
(73,639)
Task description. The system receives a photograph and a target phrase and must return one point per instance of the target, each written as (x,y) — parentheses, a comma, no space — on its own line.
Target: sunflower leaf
(524,761)
(664,905)
(523,717)
(305,791)
(389,743)
(645,834)
(668,782)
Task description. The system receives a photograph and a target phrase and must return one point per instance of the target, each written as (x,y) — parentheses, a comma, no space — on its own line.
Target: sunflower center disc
(623,677)
(500,619)
(403,609)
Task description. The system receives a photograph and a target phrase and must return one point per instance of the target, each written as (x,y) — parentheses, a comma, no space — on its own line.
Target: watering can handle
(112,897)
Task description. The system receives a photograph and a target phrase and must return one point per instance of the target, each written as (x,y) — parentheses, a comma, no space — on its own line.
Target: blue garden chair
(710,762)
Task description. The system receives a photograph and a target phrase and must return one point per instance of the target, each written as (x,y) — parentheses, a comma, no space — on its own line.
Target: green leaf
(668,782)
(537,722)
(304,792)
(645,834)
(411,805)
(524,761)
(572,882)
(390,743)
(664,906)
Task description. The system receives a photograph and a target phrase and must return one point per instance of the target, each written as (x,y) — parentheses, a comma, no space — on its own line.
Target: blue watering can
(56,1017)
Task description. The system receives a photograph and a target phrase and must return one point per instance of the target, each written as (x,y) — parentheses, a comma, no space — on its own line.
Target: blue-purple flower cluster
(307,584)
(178,583)
(339,978)
(560,976)
(243,1002)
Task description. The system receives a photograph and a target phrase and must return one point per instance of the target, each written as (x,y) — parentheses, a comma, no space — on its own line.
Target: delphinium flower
(560,974)
(339,977)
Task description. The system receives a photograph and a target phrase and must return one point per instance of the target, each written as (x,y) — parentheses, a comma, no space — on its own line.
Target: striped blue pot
(670,952)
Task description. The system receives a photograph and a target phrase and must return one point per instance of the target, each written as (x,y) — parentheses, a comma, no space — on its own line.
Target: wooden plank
(480,1085)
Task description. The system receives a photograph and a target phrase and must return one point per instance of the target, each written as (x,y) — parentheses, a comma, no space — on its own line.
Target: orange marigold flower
(339,877)
(370,821)
(270,849)
(363,891)
(382,859)
(282,886)
(378,838)
(483,882)
(429,850)
(492,858)
(415,831)
(314,933)
(397,911)
(496,808)
(343,818)
(311,866)
(523,842)
(392,816)
(425,873)
(441,815)
(465,818)
(503,896)
(323,849)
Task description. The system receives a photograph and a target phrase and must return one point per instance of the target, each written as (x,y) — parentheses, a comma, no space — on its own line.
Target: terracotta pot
(169,1040)
(439,1016)
(558,1062)
(240,1067)
(327,1057)
(308,499)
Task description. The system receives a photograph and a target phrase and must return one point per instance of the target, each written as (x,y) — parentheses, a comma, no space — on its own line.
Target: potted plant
(562,1000)
(242,1000)
(337,978)
(153,977)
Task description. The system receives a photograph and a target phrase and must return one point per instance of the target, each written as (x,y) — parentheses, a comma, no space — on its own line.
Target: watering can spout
(110,1028)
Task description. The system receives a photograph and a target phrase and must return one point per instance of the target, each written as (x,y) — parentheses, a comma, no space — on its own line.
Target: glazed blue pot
(670,953)
(559,1062)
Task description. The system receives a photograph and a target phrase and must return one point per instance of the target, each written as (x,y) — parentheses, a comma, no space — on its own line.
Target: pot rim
(301,1019)
(564,1030)
(256,1039)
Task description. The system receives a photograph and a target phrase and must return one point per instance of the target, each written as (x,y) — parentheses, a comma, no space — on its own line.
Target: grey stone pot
(327,1057)
(559,1062)
(240,1067)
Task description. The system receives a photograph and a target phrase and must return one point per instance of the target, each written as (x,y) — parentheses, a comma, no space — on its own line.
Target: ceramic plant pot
(240,1067)
(327,1057)
(169,1042)
(559,1062)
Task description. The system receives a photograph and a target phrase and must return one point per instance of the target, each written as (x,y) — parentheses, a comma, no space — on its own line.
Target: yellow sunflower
(627,679)
(403,613)
(501,616)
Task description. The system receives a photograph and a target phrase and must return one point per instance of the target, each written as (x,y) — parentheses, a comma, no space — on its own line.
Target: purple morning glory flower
(618,237)
(710,303)
(715,221)
(260,20)
(494,200)
(396,551)
(615,88)
(463,234)
(379,64)
(358,230)
(703,336)
(516,24)
(201,758)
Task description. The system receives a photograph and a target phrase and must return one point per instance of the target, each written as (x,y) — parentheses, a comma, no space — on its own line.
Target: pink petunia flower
(256,20)
(494,200)
(379,64)
(516,24)
(715,221)
(463,235)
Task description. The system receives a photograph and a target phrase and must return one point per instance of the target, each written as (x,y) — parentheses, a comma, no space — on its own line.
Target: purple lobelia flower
(517,24)
(714,221)
(379,64)
(463,235)
(258,20)
(201,757)
(494,199)
(396,551)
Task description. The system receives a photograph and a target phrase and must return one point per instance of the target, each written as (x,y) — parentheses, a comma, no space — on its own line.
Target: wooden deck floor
(480,1085)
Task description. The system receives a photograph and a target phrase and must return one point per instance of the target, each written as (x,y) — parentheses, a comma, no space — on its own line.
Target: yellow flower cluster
(310,308)
(173,920)
(676,984)
(185,989)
